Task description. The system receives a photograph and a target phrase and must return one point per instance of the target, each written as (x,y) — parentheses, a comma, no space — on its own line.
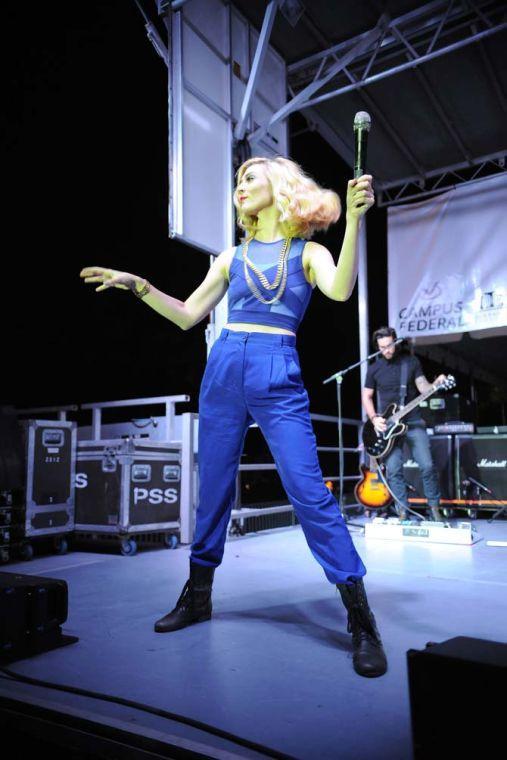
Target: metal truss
(257,63)
(436,181)
(435,29)
(303,98)
(153,35)
(426,33)
(315,121)
(408,41)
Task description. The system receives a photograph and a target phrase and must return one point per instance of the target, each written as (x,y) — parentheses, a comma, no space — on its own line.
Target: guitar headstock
(447,384)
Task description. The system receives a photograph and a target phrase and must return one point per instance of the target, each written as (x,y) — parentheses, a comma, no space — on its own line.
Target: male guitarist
(398,377)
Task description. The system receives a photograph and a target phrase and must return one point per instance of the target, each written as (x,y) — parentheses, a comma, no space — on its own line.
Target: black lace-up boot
(369,657)
(194,604)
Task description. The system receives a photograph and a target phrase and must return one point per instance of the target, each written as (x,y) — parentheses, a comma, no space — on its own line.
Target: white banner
(447,262)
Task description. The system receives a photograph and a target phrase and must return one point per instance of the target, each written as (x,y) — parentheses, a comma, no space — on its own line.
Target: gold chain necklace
(280,280)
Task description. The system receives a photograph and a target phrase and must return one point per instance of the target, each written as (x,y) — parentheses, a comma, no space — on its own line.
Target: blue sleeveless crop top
(244,306)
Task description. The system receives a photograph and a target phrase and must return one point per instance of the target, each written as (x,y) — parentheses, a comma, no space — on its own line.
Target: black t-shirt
(384,376)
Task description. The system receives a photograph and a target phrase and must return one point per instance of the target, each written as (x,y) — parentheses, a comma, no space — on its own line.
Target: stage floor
(274,664)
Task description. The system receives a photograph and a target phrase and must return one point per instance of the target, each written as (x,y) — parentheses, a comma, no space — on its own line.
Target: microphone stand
(338,376)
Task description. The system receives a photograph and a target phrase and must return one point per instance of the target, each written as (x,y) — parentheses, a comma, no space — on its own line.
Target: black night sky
(85,138)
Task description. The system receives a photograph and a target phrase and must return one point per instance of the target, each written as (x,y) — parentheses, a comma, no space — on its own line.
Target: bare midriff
(247,327)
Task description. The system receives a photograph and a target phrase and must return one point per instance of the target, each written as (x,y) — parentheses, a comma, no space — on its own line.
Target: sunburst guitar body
(371,490)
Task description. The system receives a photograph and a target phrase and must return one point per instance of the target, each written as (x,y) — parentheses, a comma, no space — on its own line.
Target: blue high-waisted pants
(256,377)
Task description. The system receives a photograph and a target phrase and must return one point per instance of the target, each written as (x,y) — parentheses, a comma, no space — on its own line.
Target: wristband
(144,290)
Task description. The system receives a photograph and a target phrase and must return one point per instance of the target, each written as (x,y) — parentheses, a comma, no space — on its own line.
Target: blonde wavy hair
(304,206)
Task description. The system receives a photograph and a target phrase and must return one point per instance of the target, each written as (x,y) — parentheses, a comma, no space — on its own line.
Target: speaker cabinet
(441,452)
(457,699)
(483,458)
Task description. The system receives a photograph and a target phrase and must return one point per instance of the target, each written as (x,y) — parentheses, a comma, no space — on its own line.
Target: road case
(50,468)
(127,487)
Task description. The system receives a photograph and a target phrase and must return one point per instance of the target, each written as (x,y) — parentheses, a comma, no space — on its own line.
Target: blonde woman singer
(253,374)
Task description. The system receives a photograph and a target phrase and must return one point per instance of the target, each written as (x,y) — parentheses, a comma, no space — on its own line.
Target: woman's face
(254,191)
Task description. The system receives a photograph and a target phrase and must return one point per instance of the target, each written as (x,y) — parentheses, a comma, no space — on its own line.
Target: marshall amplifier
(441,452)
(482,458)
(127,487)
(50,468)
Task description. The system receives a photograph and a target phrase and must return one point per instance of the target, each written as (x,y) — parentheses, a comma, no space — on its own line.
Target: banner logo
(434,292)
(492,299)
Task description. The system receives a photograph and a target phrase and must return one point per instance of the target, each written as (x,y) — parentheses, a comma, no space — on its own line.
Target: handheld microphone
(362,123)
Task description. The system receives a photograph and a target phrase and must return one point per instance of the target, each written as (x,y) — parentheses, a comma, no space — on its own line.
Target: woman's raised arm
(337,282)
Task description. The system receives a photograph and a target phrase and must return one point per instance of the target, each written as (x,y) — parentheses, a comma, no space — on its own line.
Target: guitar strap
(403,385)
(403,381)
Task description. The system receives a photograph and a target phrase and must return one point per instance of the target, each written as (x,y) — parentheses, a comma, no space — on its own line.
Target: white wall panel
(240,43)
(204,69)
(208,36)
(206,166)
(276,139)
(211,17)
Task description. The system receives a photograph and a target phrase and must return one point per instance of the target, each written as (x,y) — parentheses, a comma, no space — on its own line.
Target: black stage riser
(32,610)
(457,699)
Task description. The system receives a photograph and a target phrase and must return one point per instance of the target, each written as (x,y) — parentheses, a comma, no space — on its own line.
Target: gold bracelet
(144,290)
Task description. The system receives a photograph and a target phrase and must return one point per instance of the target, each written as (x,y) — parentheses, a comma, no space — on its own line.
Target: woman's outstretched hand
(360,196)
(109,278)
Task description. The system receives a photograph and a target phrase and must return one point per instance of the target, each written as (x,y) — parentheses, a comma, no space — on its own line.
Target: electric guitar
(371,490)
(379,445)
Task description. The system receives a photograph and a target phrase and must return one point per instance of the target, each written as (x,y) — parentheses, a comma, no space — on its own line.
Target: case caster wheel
(61,546)
(128,547)
(170,541)
(26,552)
(472,513)
(4,556)
(448,512)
